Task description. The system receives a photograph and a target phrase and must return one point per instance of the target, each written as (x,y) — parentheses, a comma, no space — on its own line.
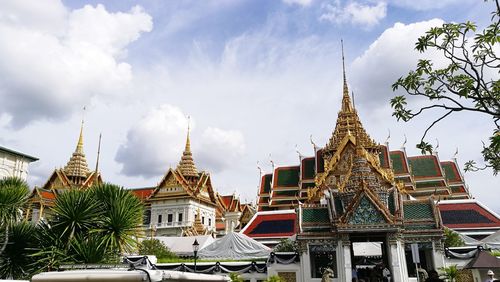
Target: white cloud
(58,61)
(220,149)
(156,142)
(364,15)
(424,5)
(304,3)
(389,57)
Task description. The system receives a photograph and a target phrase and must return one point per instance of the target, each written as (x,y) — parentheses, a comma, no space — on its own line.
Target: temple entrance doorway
(369,256)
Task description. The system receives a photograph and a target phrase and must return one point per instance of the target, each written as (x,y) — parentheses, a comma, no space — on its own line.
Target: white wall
(13,165)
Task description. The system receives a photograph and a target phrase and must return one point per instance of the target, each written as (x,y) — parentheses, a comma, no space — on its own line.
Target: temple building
(13,163)
(354,192)
(184,203)
(75,175)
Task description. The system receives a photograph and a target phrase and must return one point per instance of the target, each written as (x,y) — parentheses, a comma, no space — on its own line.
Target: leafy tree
(14,195)
(286,245)
(452,239)
(155,247)
(469,82)
(451,272)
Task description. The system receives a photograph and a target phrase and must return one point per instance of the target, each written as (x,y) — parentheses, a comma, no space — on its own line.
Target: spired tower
(346,195)
(77,169)
(184,202)
(75,175)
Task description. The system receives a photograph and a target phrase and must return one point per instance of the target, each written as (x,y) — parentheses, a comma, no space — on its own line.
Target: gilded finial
(346,101)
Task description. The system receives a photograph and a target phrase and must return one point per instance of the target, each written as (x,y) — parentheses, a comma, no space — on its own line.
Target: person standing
(433,277)
(386,274)
(491,276)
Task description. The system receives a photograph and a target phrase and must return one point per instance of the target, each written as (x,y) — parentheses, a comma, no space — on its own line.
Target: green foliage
(122,221)
(14,194)
(89,226)
(157,248)
(495,253)
(469,82)
(235,277)
(274,278)
(452,239)
(17,261)
(286,245)
(451,272)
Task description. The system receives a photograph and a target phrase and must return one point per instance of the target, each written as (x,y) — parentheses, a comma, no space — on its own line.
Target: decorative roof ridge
(423,157)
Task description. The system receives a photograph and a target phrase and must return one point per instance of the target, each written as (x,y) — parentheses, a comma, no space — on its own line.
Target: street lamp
(196,246)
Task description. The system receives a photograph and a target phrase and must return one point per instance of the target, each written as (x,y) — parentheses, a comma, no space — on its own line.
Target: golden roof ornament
(77,164)
(347,118)
(186,165)
(198,225)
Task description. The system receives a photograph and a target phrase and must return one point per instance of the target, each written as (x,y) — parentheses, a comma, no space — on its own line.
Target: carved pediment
(170,182)
(366,213)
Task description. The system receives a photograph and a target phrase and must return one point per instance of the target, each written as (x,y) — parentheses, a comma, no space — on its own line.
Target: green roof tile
(418,210)
(285,193)
(397,162)
(430,184)
(267,183)
(308,168)
(451,173)
(315,215)
(288,176)
(424,166)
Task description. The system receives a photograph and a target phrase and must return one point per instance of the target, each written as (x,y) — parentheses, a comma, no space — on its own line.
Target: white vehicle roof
(110,275)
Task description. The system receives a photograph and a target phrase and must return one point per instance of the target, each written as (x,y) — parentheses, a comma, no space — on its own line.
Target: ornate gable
(366,213)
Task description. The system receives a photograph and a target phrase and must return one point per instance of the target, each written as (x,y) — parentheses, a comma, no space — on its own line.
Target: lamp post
(196,246)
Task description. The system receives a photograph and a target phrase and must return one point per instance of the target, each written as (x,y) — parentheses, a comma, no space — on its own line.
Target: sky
(257,78)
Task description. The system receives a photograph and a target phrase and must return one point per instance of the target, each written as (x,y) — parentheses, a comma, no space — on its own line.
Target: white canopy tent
(235,246)
(183,246)
(493,241)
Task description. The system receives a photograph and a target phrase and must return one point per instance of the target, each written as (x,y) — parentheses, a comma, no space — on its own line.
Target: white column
(397,261)
(437,255)
(344,265)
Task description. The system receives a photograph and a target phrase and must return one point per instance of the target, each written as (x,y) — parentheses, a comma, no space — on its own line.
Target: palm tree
(14,195)
(76,212)
(90,226)
(17,261)
(121,224)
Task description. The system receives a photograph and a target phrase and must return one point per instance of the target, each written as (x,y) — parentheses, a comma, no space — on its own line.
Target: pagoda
(350,193)
(185,203)
(74,175)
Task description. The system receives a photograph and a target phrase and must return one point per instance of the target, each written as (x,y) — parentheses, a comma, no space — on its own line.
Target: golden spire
(346,100)
(186,164)
(77,164)
(347,118)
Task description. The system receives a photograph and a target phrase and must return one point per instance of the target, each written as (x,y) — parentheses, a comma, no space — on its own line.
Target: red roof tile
(272,225)
(47,195)
(467,215)
(143,193)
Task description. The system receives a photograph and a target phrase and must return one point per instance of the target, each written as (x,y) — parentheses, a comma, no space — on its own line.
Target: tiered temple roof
(75,175)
